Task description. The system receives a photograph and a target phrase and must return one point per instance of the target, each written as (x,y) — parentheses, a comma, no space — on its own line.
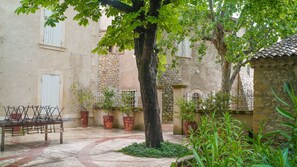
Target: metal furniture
(31,118)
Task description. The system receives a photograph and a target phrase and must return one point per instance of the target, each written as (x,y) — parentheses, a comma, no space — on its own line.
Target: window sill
(51,47)
(184,57)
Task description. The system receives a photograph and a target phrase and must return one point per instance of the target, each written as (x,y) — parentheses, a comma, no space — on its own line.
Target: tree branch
(237,69)
(212,15)
(166,2)
(118,5)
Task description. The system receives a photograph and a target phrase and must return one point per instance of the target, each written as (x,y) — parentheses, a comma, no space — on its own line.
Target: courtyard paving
(93,146)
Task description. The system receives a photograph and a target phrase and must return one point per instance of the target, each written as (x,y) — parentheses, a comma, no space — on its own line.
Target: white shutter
(52,35)
(50,90)
(187,47)
(184,48)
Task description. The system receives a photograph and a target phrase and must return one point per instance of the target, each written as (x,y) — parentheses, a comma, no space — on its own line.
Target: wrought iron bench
(31,118)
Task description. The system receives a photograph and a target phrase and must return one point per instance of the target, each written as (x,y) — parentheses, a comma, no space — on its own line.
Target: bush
(166,150)
(219,141)
(187,109)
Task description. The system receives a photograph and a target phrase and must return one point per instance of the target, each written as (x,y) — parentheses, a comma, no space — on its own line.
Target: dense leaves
(221,141)
(167,149)
(237,28)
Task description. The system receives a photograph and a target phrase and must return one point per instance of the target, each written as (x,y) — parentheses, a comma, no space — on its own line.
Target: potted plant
(107,105)
(126,107)
(85,99)
(187,114)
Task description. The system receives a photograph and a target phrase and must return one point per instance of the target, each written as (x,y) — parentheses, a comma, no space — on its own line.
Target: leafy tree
(237,28)
(134,25)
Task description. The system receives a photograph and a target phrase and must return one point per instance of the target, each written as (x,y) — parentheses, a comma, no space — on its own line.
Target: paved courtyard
(93,146)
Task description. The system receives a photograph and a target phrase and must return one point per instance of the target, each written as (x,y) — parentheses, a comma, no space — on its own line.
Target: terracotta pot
(128,123)
(188,125)
(16,117)
(108,121)
(84,115)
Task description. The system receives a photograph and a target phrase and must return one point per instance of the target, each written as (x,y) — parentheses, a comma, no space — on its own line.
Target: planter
(188,125)
(84,115)
(16,117)
(128,123)
(108,121)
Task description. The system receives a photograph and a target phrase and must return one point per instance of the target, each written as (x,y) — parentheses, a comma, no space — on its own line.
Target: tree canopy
(237,28)
(134,25)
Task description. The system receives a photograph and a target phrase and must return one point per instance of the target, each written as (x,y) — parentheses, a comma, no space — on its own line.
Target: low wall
(245,117)
(74,120)
(118,119)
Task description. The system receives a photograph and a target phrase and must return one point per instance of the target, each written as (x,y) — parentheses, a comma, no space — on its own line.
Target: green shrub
(290,117)
(187,109)
(219,103)
(166,150)
(219,141)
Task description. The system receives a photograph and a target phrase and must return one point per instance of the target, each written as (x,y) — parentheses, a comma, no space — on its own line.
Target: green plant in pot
(107,105)
(85,99)
(127,108)
(187,114)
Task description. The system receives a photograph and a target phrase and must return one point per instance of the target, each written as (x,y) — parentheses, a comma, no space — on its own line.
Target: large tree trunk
(147,63)
(219,43)
(226,74)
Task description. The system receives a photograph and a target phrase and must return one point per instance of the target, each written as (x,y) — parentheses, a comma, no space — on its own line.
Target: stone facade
(168,78)
(272,67)
(271,74)
(25,59)
(109,71)
(199,76)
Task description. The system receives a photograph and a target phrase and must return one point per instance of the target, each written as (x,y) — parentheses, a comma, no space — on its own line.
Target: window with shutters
(184,48)
(51,36)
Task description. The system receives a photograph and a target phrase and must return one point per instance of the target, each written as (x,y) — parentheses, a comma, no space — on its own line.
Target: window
(51,36)
(184,48)
(132,94)
(196,98)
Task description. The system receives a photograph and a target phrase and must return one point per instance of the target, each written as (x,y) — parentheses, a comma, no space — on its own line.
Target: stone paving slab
(93,146)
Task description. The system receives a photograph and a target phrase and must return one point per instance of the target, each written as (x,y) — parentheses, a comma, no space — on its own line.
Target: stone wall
(25,59)
(109,71)
(200,76)
(271,74)
(168,78)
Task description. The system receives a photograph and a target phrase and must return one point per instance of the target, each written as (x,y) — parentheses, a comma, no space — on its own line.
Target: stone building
(202,77)
(272,67)
(35,58)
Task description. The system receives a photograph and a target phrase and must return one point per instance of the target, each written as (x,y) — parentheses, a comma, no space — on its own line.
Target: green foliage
(166,150)
(290,115)
(84,96)
(219,142)
(220,102)
(187,109)
(107,100)
(237,29)
(126,103)
(267,152)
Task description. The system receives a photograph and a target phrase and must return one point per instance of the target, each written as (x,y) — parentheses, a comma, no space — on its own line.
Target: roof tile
(286,47)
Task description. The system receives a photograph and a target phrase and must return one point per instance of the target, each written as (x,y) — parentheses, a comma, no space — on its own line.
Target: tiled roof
(286,47)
